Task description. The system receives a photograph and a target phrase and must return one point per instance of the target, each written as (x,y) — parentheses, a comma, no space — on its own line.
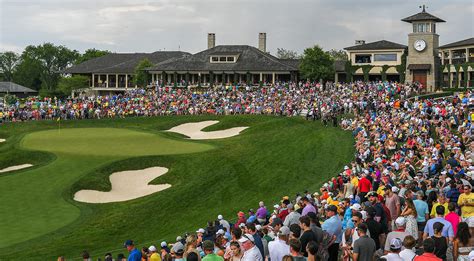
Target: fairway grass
(275,156)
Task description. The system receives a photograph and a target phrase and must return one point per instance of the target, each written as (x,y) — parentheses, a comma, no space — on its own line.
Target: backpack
(327,241)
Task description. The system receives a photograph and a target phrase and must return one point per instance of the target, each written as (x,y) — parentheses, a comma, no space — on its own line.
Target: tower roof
(422,16)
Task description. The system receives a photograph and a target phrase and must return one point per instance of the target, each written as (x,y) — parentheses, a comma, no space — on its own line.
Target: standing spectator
(364,186)
(224,223)
(295,250)
(392,201)
(307,234)
(466,203)
(399,233)
(208,248)
(409,212)
(395,249)
(251,251)
(364,246)
(441,243)
(293,217)
(452,217)
(312,250)
(428,255)
(261,213)
(279,247)
(134,254)
(308,207)
(440,201)
(464,242)
(333,226)
(453,192)
(409,244)
(422,212)
(374,227)
(447,230)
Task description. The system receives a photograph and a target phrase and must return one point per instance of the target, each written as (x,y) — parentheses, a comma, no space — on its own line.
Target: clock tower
(423,60)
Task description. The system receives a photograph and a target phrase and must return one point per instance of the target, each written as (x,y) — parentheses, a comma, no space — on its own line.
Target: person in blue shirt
(135,254)
(333,226)
(422,211)
(447,228)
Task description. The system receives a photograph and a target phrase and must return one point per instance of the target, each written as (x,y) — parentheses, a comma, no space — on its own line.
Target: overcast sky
(152,25)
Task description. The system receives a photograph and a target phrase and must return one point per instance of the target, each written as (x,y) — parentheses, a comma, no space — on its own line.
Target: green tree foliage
(8,63)
(383,72)
(90,54)
(317,64)
(338,55)
(68,84)
(287,54)
(28,73)
(366,69)
(142,77)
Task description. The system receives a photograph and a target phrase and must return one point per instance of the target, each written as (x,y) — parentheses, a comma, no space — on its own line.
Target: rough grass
(276,156)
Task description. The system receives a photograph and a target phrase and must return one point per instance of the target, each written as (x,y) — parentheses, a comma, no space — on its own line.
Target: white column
(107,80)
(442,57)
(273,78)
(116,81)
(450,57)
(126,80)
(93,80)
(261,76)
(467,55)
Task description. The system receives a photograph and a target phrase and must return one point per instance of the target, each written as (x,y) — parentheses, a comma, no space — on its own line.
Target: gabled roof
(468,41)
(122,62)
(422,16)
(379,45)
(250,59)
(12,87)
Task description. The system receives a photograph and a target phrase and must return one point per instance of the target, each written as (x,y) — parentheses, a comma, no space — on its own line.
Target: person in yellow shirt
(441,202)
(466,202)
(153,255)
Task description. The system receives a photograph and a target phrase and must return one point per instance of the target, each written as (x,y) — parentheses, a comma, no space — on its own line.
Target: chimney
(359,42)
(211,40)
(262,42)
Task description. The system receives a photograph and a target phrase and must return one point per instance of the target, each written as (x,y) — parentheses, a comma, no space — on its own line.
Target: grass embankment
(275,156)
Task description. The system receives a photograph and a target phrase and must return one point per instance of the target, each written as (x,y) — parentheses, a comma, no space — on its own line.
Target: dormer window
(223,59)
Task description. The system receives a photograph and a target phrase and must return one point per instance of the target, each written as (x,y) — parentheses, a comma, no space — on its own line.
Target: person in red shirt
(428,255)
(364,187)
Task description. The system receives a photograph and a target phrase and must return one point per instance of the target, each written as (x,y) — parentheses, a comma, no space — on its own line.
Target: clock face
(419,45)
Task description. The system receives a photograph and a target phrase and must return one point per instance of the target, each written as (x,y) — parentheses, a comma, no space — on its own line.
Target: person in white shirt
(395,248)
(251,251)
(279,247)
(409,243)
(293,217)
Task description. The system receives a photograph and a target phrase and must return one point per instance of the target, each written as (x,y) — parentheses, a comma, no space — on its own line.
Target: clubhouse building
(422,60)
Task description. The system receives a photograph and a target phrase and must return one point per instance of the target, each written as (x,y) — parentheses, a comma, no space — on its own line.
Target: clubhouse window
(214,59)
(230,59)
(386,57)
(223,59)
(363,58)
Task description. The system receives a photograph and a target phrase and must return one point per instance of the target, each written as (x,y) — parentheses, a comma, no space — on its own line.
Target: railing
(459,60)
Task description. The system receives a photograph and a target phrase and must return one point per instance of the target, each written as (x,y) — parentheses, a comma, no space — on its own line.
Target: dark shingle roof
(469,41)
(14,88)
(379,45)
(250,59)
(122,62)
(340,66)
(422,16)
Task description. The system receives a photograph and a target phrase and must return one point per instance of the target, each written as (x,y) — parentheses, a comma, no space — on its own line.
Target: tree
(90,54)
(8,63)
(142,77)
(68,84)
(317,64)
(28,73)
(338,55)
(286,54)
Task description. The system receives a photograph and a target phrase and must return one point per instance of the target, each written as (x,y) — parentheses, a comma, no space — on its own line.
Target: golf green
(78,152)
(274,157)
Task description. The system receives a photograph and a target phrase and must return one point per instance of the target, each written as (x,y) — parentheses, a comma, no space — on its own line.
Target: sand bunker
(193,131)
(126,185)
(2,140)
(17,167)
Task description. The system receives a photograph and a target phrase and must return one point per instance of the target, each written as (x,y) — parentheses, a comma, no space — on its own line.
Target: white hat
(258,227)
(364,214)
(201,230)
(356,207)
(400,221)
(220,217)
(276,206)
(152,249)
(395,189)
(220,232)
(246,237)
(448,179)
(163,244)
(179,238)
(346,167)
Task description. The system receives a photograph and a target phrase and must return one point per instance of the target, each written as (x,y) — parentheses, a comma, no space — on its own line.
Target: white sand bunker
(126,185)
(193,131)
(2,140)
(17,167)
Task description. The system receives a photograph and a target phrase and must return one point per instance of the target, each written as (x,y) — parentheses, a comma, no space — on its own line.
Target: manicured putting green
(32,201)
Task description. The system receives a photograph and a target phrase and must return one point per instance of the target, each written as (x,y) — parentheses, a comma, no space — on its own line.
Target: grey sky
(147,26)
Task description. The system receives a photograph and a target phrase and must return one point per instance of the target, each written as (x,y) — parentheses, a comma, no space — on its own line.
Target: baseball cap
(201,230)
(331,208)
(400,221)
(284,231)
(178,248)
(371,194)
(163,244)
(220,232)
(276,221)
(152,249)
(395,189)
(220,217)
(395,244)
(356,207)
(128,243)
(179,238)
(258,227)
(246,237)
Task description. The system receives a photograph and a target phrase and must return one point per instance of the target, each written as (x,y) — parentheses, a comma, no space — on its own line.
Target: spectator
(154,256)
(262,213)
(428,255)
(251,251)
(208,248)
(422,212)
(447,230)
(279,247)
(333,226)
(409,244)
(295,250)
(452,217)
(364,246)
(466,203)
(463,243)
(308,207)
(399,233)
(307,234)
(395,249)
(134,254)
(441,243)
(312,250)
(292,217)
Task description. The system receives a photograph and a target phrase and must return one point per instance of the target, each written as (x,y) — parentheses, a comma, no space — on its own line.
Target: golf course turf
(275,156)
